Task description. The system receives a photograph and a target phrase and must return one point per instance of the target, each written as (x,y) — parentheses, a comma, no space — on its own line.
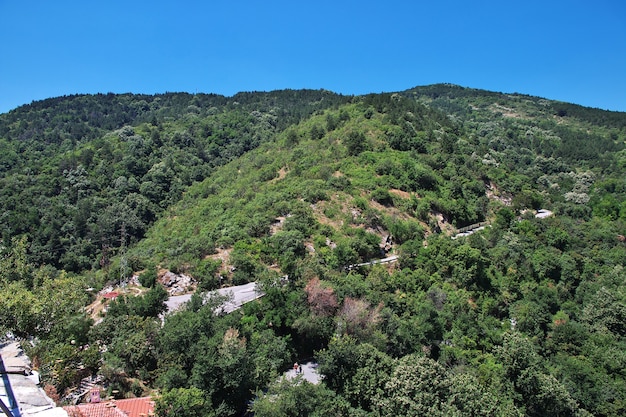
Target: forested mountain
(288,189)
(75,169)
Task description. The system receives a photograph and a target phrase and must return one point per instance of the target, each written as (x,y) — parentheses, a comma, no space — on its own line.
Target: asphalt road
(309,372)
(239,295)
(387,260)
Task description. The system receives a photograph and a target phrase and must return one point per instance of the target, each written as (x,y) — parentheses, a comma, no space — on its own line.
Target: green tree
(606,312)
(355,142)
(19,309)
(14,263)
(288,246)
(150,304)
(184,402)
(417,387)
(130,342)
(372,371)
(539,393)
(295,398)
(148,278)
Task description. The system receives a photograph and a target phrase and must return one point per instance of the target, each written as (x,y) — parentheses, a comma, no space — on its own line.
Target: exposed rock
(175,284)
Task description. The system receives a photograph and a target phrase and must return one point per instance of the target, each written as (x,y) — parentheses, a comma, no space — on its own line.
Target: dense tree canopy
(302,192)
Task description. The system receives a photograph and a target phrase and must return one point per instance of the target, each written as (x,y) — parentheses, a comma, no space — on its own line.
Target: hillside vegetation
(289,189)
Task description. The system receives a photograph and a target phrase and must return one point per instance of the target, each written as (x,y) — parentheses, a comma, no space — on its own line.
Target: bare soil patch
(400,193)
(507,112)
(282,173)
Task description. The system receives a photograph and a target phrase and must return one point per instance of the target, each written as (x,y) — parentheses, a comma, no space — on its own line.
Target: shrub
(148,278)
(382,196)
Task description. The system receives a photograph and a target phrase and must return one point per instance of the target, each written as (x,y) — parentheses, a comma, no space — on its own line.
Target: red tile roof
(132,407)
(136,407)
(111,295)
(105,409)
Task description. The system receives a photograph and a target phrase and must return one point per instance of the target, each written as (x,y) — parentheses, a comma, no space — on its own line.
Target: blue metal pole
(13,406)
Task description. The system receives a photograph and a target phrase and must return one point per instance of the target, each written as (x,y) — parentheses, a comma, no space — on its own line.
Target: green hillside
(289,189)
(75,169)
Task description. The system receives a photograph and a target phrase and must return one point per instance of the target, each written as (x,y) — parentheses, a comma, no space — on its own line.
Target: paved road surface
(174,302)
(543,213)
(239,294)
(469,232)
(309,372)
(390,259)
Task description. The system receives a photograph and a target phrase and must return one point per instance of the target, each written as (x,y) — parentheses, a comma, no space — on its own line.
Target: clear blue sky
(570,50)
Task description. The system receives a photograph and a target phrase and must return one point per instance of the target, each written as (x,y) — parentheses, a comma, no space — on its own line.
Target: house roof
(111,294)
(137,407)
(105,409)
(31,399)
(132,407)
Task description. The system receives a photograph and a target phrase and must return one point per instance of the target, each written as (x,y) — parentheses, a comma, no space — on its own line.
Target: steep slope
(331,190)
(525,317)
(335,177)
(384,163)
(84,175)
(550,129)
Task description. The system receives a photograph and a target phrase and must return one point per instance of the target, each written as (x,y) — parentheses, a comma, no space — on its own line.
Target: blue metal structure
(13,407)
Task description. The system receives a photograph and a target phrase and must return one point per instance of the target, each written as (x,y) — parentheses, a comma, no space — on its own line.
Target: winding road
(387,260)
(238,296)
